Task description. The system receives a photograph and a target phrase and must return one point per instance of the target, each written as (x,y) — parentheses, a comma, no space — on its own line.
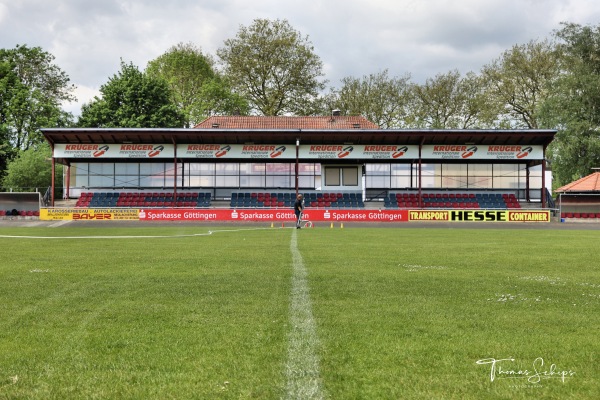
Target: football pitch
(237,312)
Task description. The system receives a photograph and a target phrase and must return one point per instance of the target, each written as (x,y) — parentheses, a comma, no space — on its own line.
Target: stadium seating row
(452,200)
(156,199)
(579,215)
(260,199)
(20,213)
(313,199)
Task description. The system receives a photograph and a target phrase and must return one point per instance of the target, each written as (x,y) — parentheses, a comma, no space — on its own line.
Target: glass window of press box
(193,175)
(452,176)
(282,175)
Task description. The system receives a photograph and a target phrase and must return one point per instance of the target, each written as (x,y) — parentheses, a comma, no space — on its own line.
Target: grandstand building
(337,161)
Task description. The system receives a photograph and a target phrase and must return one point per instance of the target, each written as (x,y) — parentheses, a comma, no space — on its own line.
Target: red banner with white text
(272,215)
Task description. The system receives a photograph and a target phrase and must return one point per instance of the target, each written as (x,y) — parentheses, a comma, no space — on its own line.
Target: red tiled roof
(260,122)
(590,183)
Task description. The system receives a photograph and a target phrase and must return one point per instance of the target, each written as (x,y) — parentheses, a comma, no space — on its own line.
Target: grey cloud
(352,37)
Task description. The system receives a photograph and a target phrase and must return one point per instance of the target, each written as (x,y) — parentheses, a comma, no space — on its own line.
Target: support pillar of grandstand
(544,203)
(175,167)
(296,166)
(421,173)
(53,174)
(68,180)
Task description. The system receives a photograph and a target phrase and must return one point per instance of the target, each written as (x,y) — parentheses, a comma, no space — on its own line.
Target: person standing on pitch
(298,209)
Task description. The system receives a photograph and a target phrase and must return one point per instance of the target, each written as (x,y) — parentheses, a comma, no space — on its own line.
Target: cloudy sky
(352,37)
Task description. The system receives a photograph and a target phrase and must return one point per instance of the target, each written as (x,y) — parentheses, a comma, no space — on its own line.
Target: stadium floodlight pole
(296,173)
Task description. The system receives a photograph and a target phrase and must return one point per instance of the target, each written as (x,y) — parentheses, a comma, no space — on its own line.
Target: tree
(274,67)
(519,81)
(574,104)
(450,101)
(32,90)
(8,81)
(377,97)
(197,90)
(6,153)
(132,99)
(217,98)
(31,170)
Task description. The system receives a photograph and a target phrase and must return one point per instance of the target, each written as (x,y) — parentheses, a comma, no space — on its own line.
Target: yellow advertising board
(480,215)
(97,214)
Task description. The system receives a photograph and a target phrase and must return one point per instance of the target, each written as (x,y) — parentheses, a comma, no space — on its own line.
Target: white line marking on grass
(133,236)
(302,367)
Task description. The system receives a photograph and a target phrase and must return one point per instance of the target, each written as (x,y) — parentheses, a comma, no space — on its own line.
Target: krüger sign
(106,151)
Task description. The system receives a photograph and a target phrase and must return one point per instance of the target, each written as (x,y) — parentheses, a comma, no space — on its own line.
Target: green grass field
(354,313)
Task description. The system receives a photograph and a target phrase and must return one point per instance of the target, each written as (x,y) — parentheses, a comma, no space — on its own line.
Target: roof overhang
(278,136)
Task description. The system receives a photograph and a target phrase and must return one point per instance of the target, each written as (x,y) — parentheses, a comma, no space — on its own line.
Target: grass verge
(398,313)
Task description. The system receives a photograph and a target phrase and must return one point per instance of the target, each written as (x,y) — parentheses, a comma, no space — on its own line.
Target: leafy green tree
(274,67)
(450,101)
(520,80)
(32,91)
(132,99)
(31,169)
(6,153)
(377,97)
(217,98)
(573,106)
(198,91)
